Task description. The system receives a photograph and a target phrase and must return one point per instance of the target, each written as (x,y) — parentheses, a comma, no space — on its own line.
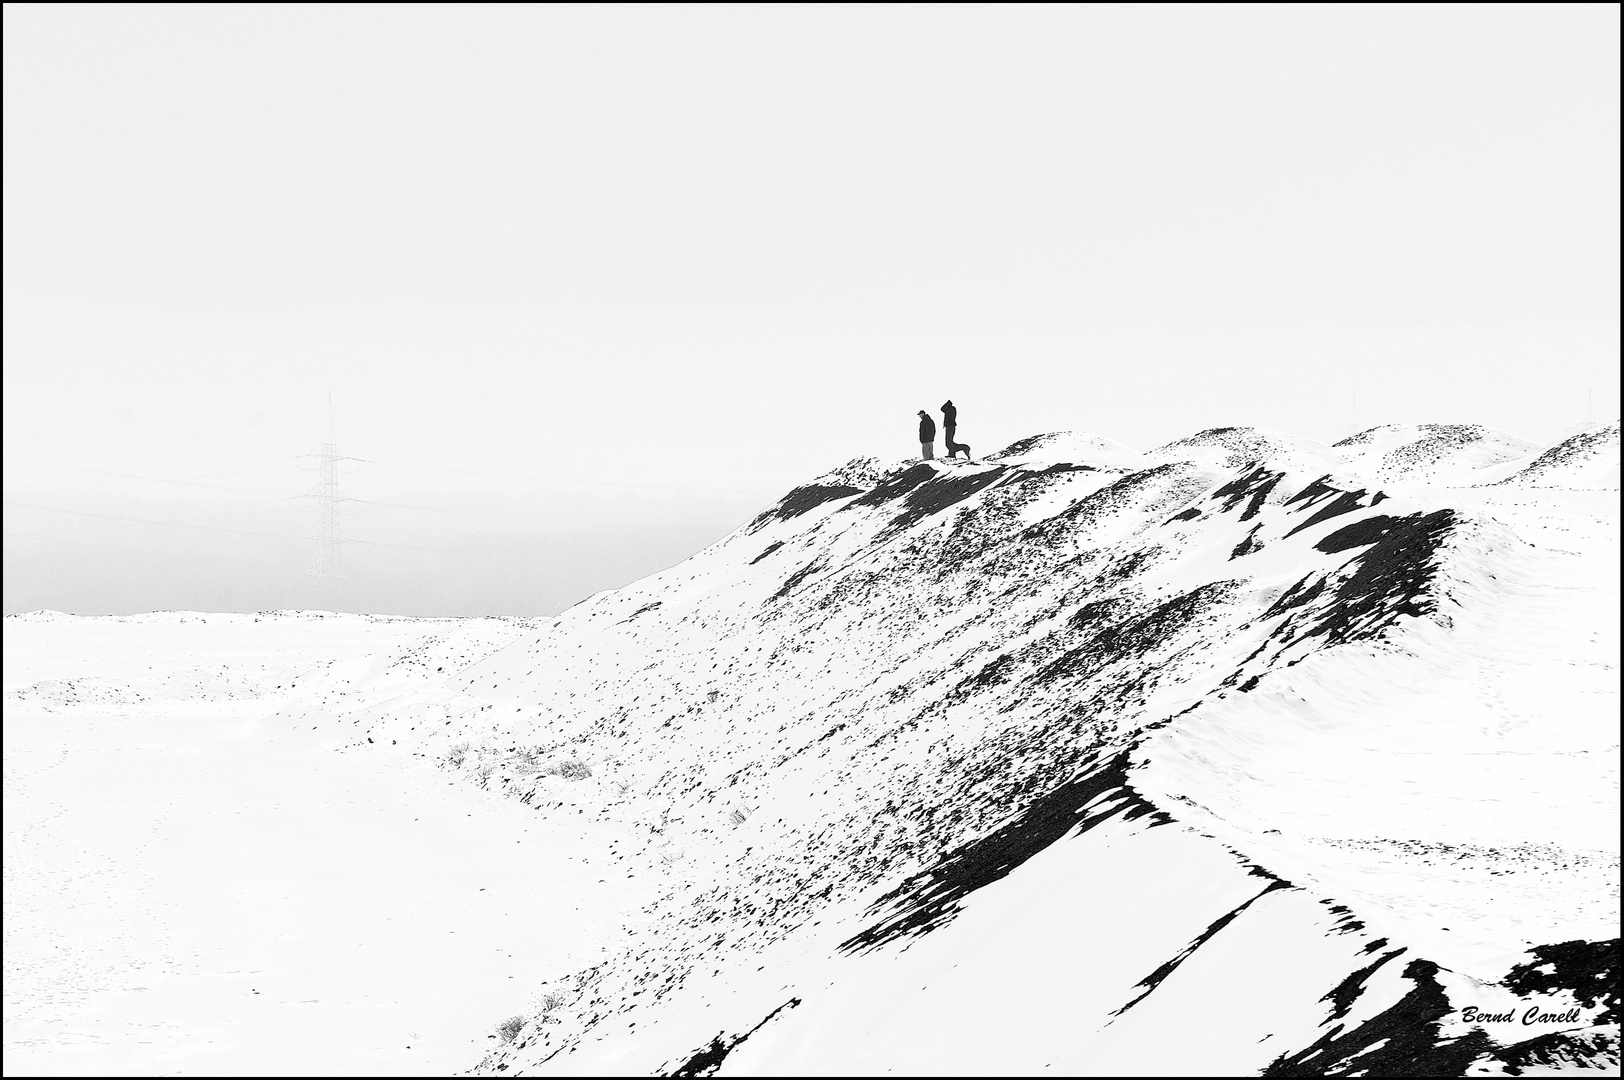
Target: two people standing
(927,433)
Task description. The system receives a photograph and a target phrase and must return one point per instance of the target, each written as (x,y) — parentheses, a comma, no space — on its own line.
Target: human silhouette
(950,423)
(927,436)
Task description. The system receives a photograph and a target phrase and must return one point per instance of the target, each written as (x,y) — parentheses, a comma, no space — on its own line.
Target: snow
(1233,447)
(1586,460)
(1450,454)
(213,890)
(1073,760)
(1070,447)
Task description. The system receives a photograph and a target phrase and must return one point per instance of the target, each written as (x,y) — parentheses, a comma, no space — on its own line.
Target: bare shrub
(509,1029)
(551,1001)
(457,755)
(737,816)
(574,769)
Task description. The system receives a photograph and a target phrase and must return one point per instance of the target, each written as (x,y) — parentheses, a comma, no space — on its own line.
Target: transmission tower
(328,532)
(1352,427)
(1589,421)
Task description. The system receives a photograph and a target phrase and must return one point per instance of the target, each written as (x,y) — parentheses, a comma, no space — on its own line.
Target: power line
(148,521)
(91,527)
(136,478)
(583,483)
(139,550)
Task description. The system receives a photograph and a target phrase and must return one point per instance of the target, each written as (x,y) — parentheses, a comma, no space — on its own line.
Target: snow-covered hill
(1217,759)
(1243,755)
(1453,454)
(1586,460)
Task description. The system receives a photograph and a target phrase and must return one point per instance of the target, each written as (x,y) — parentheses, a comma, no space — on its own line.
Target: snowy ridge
(1218,759)
(1587,460)
(1233,447)
(1431,453)
(963,726)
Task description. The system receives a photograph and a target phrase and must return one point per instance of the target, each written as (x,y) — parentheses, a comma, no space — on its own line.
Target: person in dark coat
(927,436)
(950,423)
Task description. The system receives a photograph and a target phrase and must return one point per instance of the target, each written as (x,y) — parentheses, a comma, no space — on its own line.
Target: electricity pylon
(1589,421)
(328,532)
(1351,428)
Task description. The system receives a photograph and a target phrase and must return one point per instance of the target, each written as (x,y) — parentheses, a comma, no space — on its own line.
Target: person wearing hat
(927,436)
(950,423)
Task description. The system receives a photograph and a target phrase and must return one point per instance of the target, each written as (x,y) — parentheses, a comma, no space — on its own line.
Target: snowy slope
(1452,454)
(1233,447)
(1017,766)
(1246,754)
(194,885)
(1587,460)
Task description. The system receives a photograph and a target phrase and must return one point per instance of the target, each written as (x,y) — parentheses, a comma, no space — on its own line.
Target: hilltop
(1018,764)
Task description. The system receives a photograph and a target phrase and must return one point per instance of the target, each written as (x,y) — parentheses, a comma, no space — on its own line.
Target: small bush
(509,1029)
(457,755)
(551,1000)
(574,769)
(737,816)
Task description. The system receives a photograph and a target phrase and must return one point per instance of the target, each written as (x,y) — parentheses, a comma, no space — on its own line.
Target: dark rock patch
(1402,1040)
(1023,446)
(899,485)
(1345,503)
(1018,475)
(795,579)
(1154,979)
(932,897)
(1249,543)
(768,550)
(1135,636)
(1314,492)
(802,499)
(1254,485)
(937,495)
(1391,579)
(1586,969)
(708,1059)
(994,673)
(1298,595)
(1343,995)
(1572,1052)
(1360,533)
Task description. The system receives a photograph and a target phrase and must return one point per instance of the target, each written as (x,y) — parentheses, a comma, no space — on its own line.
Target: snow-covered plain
(195,884)
(1242,754)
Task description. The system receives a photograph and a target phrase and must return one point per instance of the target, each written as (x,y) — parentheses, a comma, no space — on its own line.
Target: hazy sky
(627,273)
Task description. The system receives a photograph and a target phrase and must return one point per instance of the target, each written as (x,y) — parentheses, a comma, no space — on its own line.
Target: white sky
(729,247)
